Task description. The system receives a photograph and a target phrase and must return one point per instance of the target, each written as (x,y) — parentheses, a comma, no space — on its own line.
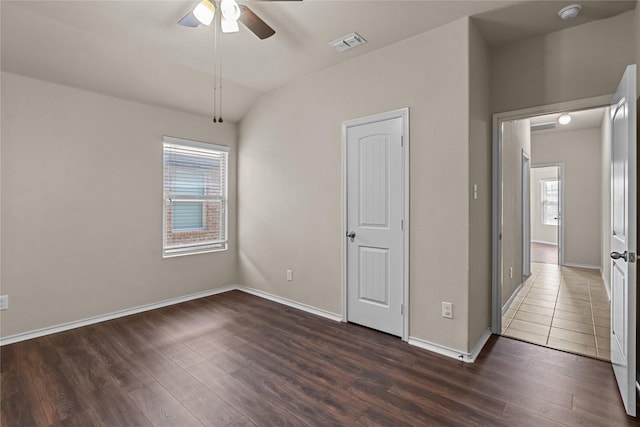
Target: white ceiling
(583,119)
(135,50)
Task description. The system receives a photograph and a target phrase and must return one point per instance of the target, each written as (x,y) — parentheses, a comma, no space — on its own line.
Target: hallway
(565,308)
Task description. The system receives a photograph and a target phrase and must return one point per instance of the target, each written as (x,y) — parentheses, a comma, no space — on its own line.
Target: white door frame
(404,115)
(498,119)
(526,214)
(560,166)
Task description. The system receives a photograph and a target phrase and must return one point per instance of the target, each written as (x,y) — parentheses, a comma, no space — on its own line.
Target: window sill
(185,253)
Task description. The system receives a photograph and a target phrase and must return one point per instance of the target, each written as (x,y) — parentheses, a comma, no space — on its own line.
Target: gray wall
(576,63)
(480,144)
(516,138)
(290,178)
(581,152)
(82,205)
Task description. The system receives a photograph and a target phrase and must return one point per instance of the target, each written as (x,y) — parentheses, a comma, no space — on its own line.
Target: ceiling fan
(230,13)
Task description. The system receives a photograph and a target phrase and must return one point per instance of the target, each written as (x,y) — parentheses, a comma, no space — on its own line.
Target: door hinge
(402,141)
(402,224)
(402,309)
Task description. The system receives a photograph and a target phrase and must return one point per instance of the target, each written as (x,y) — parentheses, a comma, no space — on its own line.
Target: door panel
(375,206)
(374,276)
(374,181)
(623,238)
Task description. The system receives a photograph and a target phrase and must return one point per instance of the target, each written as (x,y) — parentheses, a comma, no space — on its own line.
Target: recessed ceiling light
(564,119)
(570,12)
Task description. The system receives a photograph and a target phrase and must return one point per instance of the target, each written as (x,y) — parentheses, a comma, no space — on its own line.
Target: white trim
(402,113)
(303,307)
(469,357)
(525,227)
(147,307)
(172,140)
(109,316)
(607,286)
(577,265)
(513,296)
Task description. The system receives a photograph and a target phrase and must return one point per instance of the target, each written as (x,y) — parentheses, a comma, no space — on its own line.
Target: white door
(623,238)
(375,214)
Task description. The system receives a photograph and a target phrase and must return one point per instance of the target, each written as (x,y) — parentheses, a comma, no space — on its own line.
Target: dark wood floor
(544,253)
(238,360)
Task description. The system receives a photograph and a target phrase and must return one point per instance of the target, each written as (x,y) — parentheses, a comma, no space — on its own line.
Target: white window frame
(198,247)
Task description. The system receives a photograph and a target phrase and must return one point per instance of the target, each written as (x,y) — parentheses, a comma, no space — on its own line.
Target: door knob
(618,255)
(351,234)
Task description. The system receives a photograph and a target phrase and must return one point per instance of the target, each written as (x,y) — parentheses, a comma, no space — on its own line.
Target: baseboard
(293,304)
(513,296)
(450,352)
(110,316)
(607,287)
(436,348)
(589,266)
(127,312)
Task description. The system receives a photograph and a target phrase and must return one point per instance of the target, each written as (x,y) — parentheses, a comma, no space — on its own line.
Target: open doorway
(554,183)
(546,198)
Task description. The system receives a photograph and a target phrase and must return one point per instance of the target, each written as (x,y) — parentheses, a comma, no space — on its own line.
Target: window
(195,197)
(549,192)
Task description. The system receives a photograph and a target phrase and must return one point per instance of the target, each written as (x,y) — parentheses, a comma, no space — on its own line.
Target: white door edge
(498,119)
(403,114)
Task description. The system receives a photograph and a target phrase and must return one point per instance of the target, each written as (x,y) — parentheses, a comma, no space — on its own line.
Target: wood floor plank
(86,418)
(288,394)
(234,359)
(243,398)
(112,406)
(204,404)
(161,408)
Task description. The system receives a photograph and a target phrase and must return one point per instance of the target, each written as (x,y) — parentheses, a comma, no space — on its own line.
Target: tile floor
(565,308)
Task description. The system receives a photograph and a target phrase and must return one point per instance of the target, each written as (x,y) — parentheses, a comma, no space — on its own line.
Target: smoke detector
(570,12)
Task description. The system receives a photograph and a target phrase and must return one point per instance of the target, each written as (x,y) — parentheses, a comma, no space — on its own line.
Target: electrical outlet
(447,310)
(4,302)
(510,272)
(289,275)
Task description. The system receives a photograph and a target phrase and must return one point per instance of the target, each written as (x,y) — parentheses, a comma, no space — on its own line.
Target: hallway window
(195,197)
(550,208)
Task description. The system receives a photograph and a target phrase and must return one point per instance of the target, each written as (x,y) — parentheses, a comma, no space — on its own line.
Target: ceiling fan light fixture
(229,26)
(564,119)
(204,12)
(230,14)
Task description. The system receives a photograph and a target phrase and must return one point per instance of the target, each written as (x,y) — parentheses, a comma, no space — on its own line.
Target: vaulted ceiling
(135,49)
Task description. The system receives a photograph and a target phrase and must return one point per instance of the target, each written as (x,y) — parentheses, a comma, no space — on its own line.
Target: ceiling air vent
(347,42)
(543,126)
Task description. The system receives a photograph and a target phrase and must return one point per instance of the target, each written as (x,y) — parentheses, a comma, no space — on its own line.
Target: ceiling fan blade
(255,24)
(189,20)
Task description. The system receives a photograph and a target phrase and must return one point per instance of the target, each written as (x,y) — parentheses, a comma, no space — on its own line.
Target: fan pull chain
(220,80)
(215,67)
